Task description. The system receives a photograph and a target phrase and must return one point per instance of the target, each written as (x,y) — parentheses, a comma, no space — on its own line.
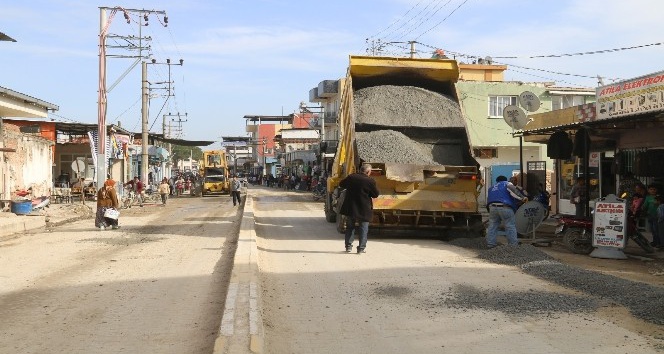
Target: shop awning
(603,128)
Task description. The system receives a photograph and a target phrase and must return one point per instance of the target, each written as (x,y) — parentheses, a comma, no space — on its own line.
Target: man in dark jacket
(358,205)
(503,200)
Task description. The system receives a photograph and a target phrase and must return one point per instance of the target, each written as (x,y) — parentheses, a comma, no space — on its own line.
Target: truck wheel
(330,215)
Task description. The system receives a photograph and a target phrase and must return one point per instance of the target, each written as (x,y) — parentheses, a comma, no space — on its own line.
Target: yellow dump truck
(404,118)
(214,171)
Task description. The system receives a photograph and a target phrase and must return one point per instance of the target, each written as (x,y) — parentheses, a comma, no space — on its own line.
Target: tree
(179,152)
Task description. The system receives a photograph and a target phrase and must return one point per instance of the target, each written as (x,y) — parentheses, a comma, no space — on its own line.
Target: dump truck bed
(403,117)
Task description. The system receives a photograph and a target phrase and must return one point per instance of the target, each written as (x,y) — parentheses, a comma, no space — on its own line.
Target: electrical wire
(468,56)
(126,110)
(602,51)
(443,20)
(425,20)
(542,77)
(65,118)
(394,22)
(158,114)
(406,23)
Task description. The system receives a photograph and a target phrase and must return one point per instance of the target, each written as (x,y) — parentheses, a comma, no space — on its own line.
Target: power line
(407,22)
(65,118)
(126,110)
(469,56)
(397,20)
(583,53)
(542,77)
(425,20)
(443,20)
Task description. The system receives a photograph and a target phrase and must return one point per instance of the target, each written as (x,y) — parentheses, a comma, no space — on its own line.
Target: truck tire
(330,215)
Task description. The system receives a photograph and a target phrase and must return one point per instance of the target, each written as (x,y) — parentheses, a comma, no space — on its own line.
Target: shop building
(607,141)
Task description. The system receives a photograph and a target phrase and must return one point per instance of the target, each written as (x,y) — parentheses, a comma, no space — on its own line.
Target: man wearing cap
(503,201)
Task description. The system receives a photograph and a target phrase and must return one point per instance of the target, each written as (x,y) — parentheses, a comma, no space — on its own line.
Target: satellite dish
(515,117)
(529,216)
(529,101)
(78,166)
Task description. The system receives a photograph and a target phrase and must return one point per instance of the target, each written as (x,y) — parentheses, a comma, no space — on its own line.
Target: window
(497,103)
(566,101)
(487,153)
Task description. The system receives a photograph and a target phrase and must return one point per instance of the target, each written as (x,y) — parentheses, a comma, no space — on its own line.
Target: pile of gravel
(405,106)
(514,255)
(514,303)
(644,301)
(389,146)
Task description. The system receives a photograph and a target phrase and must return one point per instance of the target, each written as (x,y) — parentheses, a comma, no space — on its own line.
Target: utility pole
(144,123)
(179,120)
(412,49)
(102,103)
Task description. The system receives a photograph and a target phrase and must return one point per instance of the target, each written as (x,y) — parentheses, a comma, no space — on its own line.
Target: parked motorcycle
(578,234)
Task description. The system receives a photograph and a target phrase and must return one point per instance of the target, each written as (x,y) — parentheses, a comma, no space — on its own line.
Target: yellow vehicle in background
(214,171)
(380,121)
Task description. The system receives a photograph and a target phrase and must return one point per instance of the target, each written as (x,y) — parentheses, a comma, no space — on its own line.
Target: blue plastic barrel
(21,207)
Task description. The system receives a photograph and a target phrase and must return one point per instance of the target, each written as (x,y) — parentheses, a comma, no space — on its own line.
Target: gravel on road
(644,301)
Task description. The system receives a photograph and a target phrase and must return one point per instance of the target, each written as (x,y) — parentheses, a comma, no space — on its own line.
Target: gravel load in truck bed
(405,106)
(389,146)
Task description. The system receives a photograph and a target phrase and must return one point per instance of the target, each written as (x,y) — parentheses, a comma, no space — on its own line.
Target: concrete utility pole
(101,170)
(144,124)
(101,113)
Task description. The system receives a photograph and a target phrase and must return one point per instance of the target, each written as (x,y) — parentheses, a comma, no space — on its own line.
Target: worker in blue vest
(503,201)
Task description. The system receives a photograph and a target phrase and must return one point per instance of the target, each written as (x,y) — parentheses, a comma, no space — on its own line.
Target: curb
(10,228)
(241,328)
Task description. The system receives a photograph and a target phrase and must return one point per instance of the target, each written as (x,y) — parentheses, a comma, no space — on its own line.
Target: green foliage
(179,152)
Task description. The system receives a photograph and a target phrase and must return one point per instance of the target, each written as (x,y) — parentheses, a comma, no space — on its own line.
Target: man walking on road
(235,191)
(502,202)
(358,205)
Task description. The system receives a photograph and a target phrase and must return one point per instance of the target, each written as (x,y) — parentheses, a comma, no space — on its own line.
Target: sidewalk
(12,225)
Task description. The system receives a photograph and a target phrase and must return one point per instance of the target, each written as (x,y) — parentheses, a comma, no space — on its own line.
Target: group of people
(646,202)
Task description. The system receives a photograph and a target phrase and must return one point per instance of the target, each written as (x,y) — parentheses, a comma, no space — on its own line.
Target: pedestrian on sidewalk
(164,189)
(358,206)
(235,191)
(503,201)
(107,199)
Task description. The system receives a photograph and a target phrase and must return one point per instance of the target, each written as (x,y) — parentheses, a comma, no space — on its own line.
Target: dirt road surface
(402,296)
(156,285)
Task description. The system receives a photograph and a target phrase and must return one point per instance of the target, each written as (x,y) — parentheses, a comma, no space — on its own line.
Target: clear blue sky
(263,56)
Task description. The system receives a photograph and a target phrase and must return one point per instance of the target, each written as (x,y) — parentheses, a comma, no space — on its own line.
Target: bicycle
(129,198)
